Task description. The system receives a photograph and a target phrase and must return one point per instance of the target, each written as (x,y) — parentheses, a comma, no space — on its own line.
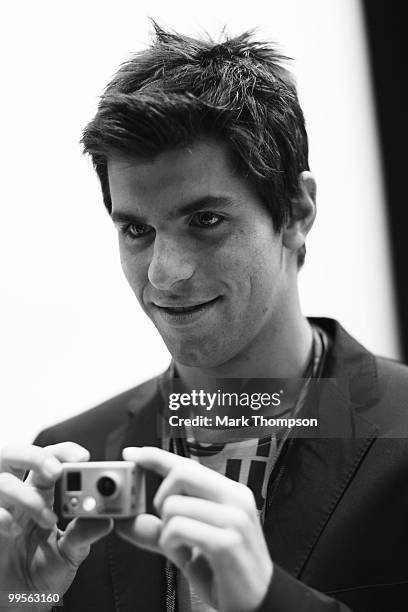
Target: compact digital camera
(102,489)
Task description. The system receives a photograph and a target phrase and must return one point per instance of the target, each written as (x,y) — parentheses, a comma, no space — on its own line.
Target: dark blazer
(337,520)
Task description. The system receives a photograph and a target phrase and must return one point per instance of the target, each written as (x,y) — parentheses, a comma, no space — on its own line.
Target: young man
(201,151)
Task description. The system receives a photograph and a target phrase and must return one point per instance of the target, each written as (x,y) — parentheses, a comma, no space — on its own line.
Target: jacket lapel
(316,474)
(138,576)
(317,471)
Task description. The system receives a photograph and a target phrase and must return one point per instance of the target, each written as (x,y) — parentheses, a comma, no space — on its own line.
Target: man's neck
(281,351)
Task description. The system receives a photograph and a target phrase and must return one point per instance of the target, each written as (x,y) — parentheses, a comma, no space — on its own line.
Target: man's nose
(170,264)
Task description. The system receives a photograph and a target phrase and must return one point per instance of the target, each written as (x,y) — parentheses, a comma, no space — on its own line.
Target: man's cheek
(128,272)
(134,275)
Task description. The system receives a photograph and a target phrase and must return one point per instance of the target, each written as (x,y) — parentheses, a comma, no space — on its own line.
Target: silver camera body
(102,489)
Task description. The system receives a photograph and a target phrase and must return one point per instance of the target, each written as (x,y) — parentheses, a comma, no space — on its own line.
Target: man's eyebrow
(123,217)
(204,202)
(208,202)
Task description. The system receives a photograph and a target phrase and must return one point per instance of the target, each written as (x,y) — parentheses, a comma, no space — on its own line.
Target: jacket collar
(350,363)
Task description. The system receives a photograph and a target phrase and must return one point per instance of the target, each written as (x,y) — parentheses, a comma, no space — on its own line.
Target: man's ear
(303,213)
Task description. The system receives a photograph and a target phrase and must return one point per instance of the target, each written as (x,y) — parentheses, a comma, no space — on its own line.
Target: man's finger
(56,454)
(74,544)
(144,530)
(209,512)
(214,542)
(17,459)
(16,494)
(152,458)
(8,526)
(186,477)
(44,463)
(196,480)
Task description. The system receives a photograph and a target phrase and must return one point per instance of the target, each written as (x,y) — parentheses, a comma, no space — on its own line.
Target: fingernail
(51,467)
(133,451)
(48,518)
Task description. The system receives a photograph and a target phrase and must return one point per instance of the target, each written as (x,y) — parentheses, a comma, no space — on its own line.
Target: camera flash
(89,503)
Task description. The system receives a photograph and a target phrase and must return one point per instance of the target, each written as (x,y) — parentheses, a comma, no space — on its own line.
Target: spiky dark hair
(181,89)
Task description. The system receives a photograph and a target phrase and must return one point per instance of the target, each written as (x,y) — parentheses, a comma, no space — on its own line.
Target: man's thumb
(75,542)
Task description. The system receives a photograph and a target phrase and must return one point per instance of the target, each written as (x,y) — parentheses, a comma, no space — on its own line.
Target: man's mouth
(185,313)
(186,309)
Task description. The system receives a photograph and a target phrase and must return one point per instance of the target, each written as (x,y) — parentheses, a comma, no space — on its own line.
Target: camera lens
(106,486)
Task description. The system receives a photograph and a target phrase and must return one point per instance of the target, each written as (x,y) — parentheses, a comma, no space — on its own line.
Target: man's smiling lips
(184,312)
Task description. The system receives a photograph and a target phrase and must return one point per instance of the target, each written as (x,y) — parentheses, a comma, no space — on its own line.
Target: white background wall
(71,331)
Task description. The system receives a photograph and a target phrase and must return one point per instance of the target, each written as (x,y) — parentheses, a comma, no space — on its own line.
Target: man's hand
(35,554)
(209,528)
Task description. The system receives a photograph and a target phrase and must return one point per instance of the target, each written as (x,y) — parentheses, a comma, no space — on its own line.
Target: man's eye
(207,219)
(136,230)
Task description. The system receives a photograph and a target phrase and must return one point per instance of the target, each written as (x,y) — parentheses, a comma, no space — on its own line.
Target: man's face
(199,251)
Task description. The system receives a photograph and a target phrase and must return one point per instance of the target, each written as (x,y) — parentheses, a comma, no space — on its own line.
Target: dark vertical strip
(233,469)
(264,447)
(255,481)
(389,66)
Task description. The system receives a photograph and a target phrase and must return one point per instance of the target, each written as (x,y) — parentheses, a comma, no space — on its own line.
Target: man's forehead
(200,172)
(201,155)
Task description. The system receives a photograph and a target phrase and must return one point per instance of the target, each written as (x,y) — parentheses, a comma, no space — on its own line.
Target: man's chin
(195,355)
(192,358)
